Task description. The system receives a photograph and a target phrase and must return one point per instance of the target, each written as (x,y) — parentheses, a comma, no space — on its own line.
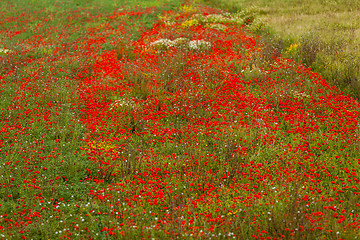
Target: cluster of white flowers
(163,44)
(199,45)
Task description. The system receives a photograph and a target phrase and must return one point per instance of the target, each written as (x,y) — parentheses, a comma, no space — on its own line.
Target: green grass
(326,33)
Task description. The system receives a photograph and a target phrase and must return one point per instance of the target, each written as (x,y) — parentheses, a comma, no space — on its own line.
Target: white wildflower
(162,44)
(199,45)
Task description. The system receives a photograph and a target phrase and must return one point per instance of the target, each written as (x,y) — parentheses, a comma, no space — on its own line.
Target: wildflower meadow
(167,120)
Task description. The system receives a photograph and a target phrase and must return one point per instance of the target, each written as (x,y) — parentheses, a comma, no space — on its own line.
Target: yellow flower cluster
(101,145)
(190,23)
(292,48)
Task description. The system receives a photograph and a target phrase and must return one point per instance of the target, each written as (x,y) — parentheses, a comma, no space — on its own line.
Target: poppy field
(170,121)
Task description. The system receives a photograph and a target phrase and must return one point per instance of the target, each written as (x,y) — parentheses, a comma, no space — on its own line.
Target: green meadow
(168,119)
